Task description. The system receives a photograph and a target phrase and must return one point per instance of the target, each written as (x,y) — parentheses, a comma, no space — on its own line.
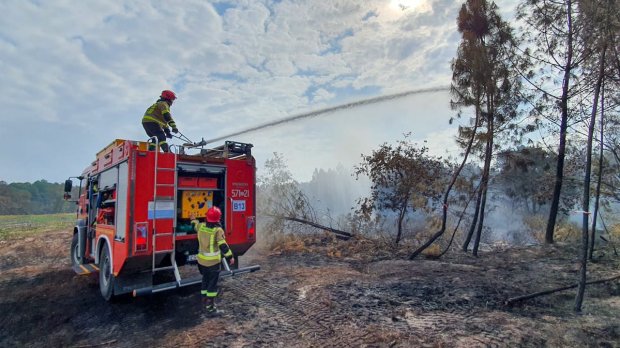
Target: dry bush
(287,244)
(434,222)
(424,233)
(433,251)
(321,242)
(535,225)
(614,231)
(565,231)
(276,231)
(326,244)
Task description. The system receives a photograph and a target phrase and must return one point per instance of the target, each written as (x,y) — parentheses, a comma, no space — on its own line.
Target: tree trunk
(480,223)
(401,217)
(458,223)
(485,182)
(586,188)
(474,222)
(447,194)
(600,174)
(559,170)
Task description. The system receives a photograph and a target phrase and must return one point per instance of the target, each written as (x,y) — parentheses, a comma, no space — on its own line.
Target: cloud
(77,75)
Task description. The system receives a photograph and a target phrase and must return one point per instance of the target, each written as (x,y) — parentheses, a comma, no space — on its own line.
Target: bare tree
(279,196)
(597,38)
(483,77)
(404,178)
(602,33)
(550,32)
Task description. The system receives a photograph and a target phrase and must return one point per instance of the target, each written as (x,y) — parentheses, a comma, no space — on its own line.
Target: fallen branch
(339,234)
(513,300)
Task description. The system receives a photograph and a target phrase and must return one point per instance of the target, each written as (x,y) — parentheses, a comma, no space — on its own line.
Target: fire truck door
(93,194)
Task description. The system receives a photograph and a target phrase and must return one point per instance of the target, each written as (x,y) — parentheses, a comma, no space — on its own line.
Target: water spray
(329,110)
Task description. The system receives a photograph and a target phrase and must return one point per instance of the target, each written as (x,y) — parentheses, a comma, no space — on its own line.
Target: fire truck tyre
(106,279)
(75,253)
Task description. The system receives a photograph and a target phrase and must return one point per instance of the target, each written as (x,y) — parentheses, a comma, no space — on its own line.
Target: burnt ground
(321,293)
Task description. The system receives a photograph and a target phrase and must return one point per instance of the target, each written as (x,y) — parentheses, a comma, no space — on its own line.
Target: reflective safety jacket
(212,245)
(160,114)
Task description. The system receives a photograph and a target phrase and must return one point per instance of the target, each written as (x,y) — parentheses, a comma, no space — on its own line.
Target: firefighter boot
(210,305)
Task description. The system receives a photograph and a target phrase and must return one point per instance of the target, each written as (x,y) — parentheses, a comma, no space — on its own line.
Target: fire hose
(188,142)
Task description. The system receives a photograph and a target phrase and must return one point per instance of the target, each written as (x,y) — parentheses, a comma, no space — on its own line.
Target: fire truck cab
(134,206)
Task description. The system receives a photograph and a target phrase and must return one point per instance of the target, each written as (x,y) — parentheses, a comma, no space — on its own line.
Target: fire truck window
(106,200)
(108,179)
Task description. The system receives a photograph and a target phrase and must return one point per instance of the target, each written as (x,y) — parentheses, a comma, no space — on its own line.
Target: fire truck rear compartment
(199,187)
(136,207)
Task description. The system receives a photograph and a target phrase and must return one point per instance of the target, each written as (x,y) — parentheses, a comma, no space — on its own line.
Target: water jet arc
(331,109)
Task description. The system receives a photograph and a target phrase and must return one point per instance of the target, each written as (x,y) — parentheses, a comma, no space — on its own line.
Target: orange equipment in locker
(196,202)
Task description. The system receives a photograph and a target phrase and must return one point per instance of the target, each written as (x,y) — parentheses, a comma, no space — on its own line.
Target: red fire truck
(134,206)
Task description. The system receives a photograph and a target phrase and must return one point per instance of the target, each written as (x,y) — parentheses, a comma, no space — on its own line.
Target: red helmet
(214,214)
(167,94)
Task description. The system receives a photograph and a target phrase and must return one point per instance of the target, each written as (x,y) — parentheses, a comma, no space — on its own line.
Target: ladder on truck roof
(171,234)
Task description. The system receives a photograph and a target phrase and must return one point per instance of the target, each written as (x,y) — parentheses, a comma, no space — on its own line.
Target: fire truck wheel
(75,253)
(106,279)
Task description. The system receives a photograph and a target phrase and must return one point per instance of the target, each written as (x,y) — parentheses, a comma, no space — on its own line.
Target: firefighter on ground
(211,247)
(157,118)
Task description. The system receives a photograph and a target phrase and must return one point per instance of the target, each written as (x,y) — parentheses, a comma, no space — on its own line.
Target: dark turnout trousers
(153,129)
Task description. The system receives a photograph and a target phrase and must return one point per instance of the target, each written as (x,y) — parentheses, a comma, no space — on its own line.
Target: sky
(78,74)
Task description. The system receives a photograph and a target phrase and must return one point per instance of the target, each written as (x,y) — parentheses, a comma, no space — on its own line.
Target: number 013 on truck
(133,212)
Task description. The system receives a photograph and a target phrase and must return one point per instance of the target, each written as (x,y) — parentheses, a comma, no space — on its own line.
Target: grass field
(15,226)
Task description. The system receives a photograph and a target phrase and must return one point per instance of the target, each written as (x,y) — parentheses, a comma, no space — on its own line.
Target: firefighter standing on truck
(211,246)
(157,118)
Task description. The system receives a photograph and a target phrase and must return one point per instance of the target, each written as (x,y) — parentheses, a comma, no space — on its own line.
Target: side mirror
(68,186)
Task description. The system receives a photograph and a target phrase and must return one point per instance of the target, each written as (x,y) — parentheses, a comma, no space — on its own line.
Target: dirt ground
(325,293)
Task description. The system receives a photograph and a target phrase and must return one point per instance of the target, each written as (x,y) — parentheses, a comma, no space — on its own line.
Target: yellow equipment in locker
(197,202)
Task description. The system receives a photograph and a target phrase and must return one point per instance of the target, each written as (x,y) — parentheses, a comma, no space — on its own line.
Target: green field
(14,226)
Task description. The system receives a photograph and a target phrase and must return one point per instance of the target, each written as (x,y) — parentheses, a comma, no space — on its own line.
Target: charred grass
(316,290)
(463,294)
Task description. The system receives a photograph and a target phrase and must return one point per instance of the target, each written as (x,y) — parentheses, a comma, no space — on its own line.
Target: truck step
(162,268)
(190,281)
(87,268)
(164,251)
